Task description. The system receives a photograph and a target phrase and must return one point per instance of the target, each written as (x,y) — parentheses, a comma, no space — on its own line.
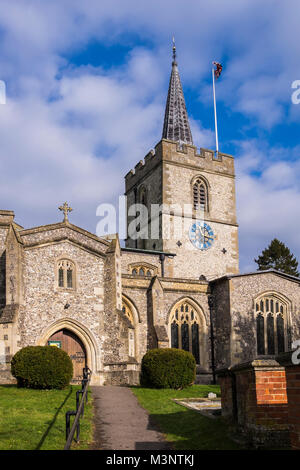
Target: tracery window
(185,329)
(127,311)
(200,195)
(66,274)
(131,335)
(141,271)
(271,325)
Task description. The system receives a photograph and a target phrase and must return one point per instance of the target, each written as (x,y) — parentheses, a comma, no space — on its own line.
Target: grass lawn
(35,419)
(185,428)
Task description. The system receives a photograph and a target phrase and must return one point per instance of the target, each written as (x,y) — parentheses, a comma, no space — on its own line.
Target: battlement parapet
(181,154)
(144,166)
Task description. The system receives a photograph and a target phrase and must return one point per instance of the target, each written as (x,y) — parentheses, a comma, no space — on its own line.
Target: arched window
(127,311)
(271,325)
(185,329)
(143,196)
(200,195)
(66,274)
(131,336)
(141,270)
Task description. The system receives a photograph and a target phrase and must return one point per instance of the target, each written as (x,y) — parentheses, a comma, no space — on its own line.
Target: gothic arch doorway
(74,347)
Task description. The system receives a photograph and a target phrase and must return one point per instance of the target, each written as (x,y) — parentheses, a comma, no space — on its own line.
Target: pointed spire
(176,123)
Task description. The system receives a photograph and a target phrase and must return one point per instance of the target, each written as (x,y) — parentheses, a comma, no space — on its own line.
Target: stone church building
(108,305)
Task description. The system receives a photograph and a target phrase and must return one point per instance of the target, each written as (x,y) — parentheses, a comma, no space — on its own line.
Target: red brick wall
(261,401)
(267,398)
(293,394)
(261,397)
(271,398)
(226,395)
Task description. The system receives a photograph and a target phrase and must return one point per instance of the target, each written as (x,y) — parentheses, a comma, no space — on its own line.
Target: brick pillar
(254,398)
(225,380)
(293,395)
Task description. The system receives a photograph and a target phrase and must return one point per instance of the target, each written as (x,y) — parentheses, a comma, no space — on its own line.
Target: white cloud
(78,146)
(268,200)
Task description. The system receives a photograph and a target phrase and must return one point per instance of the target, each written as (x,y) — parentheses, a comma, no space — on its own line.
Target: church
(107,305)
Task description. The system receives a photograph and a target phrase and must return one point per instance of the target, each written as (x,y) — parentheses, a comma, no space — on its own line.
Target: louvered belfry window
(200,198)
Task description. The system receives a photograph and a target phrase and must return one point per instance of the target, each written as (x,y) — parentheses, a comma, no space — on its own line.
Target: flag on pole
(218,69)
(215,75)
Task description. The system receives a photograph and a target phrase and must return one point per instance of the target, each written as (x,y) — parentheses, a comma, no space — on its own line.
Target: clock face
(201,235)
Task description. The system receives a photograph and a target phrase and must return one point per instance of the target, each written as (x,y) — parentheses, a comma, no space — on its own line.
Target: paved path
(121,423)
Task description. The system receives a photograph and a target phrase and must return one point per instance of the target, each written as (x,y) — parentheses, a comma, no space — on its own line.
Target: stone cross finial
(65,209)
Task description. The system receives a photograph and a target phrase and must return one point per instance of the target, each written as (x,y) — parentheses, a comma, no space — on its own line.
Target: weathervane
(174,51)
(65,209)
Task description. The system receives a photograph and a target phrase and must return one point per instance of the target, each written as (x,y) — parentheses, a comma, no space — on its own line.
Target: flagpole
(215,110)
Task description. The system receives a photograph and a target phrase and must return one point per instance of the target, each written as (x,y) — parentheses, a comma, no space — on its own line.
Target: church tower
(189,196)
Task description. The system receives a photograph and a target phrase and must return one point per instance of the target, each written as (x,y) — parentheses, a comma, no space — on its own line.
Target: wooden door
(70,343)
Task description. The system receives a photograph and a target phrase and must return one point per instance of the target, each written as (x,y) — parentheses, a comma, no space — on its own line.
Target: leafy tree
(278,256)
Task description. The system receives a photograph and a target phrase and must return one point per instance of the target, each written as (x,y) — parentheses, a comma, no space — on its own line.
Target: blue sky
(86,90)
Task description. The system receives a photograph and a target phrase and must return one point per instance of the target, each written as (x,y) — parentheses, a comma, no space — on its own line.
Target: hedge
(168,368)
(42,367)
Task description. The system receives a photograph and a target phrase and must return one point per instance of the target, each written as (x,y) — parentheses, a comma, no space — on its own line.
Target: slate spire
(176,123)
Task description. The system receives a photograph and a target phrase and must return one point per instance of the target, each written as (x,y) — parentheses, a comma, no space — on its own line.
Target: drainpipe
(212,339)
(162,262)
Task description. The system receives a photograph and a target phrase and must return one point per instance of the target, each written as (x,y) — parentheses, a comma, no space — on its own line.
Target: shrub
(168,368)
(42,367)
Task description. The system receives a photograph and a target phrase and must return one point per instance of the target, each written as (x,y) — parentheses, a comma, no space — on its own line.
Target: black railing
(79,410)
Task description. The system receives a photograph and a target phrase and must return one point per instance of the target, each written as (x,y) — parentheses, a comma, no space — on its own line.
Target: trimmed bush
(42,367)
(168,368)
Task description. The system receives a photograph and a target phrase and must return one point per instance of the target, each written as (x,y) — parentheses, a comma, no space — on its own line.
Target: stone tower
(194,212)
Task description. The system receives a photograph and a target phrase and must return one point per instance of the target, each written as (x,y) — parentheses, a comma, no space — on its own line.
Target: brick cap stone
(285,359)
(258,363)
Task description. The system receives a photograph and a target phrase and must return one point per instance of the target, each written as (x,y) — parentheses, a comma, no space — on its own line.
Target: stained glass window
(280,333)
(174,335)
(66,274)
(61,277)
(185,336)
(260,334)
(195,342)
(270,334)
(271,325)
(185,329)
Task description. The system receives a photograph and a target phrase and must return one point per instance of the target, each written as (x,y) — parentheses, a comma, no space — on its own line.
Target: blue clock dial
(201,235)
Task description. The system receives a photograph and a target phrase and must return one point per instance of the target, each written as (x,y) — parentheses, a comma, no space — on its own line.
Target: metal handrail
(79,409)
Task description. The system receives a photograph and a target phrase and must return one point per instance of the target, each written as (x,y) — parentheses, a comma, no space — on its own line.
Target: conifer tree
(278,256)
